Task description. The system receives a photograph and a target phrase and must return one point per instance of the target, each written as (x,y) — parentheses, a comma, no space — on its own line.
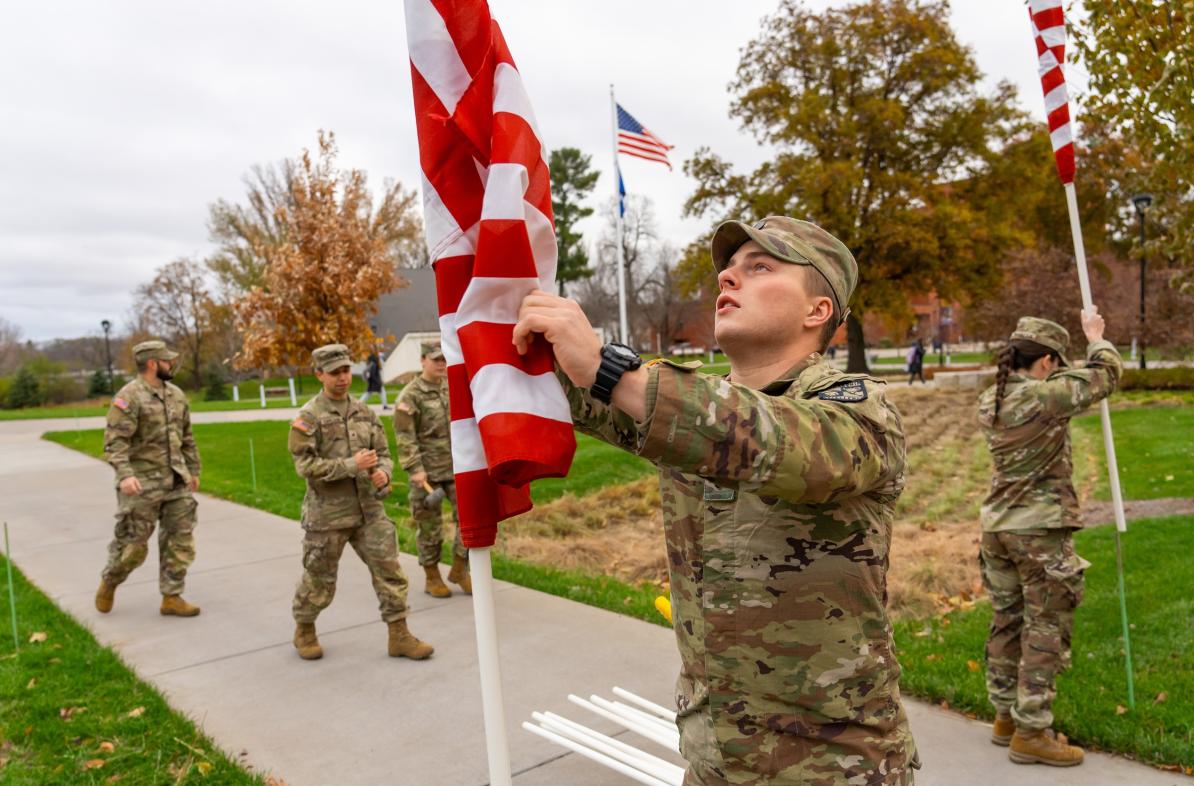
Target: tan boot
(175,606)
(105,596)
(459,575)
(435,583)
(306,642)
(403,644)
(1005,727)
(1043,746)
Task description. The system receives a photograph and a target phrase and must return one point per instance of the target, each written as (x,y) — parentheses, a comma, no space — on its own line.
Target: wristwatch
(616,360)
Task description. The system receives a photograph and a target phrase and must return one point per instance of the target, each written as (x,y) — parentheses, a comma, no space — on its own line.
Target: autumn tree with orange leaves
(334,256)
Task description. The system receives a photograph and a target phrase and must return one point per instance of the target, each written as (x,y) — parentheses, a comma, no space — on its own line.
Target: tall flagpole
(1117,501)
(624,334)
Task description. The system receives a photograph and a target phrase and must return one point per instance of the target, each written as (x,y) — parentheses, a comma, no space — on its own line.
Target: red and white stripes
(1048,28)
(489,226)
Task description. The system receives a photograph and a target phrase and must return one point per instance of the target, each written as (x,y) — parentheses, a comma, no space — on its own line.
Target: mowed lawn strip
(1154,447)
(72,713)
(942,658)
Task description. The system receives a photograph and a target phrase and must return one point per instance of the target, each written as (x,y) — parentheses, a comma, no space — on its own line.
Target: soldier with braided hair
(1029,567)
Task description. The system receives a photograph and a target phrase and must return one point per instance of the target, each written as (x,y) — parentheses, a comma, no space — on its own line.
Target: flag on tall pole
(489,228)
(1048,31)
(630,138)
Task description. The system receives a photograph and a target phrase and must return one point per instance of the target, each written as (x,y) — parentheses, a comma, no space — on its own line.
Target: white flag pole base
(497,744)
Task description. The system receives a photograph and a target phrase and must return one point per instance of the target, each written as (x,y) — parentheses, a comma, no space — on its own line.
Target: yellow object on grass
(664,606)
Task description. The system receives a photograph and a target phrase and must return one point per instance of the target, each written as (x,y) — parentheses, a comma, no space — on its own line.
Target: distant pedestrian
(148,442)
(916,362)
(373,380)
(1029,567)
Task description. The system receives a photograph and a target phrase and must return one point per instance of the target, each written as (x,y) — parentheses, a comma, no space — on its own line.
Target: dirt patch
(1099,513)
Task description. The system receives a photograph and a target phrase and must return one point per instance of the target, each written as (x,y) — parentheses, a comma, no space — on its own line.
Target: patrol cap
(155,349)
(330,357)
(1044,332)
(798,242)
(433,351)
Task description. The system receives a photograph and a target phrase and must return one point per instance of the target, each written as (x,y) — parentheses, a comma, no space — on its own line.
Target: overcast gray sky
(122,121)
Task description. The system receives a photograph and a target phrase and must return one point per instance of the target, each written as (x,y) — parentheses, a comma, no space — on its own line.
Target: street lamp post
(1142,202)
(107,326)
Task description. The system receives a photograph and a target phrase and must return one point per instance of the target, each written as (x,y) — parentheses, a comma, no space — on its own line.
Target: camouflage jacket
(149,435)
(422,429)
(1032,486)
(322,443)
(777,508)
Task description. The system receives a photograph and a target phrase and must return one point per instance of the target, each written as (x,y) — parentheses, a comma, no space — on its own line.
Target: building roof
(410,309)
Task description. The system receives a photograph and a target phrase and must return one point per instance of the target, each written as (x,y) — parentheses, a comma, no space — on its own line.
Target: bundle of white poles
(636,714)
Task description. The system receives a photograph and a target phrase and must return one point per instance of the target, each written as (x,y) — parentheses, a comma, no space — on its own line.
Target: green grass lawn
(939,655)
(72,713)
(1154,448)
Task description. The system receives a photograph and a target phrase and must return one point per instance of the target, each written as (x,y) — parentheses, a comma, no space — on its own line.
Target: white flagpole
(624,334)
(497,746)
(1117,501)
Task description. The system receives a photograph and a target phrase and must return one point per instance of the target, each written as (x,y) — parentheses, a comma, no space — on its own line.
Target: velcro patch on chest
(120,403)
(718,494)
(851,391)
(301,425)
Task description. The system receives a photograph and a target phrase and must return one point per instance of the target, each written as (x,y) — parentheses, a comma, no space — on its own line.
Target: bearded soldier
(339,447)
(778,484)
(148,442)
(1030,569)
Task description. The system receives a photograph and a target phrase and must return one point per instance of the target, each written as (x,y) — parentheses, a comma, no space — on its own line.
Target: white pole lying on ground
(492,707)
(1117,500)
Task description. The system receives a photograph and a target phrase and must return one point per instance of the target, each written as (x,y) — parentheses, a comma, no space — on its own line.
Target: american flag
(634,140)
(1048,30)
(488,221)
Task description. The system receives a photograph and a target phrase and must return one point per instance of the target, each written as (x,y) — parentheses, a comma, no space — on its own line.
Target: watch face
(622,351)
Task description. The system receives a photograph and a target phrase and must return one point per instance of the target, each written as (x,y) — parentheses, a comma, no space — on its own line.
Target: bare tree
(598,294)
(178,306)
(12,352)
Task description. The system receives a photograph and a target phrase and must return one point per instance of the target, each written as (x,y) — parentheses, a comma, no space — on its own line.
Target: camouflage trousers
(136,517)
(429,523)
(1035,581)
(375,543)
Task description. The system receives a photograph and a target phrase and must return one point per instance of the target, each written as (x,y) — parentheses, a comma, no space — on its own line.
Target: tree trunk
(856,343)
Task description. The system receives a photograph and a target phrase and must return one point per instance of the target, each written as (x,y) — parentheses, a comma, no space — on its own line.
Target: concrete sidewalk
(358,716)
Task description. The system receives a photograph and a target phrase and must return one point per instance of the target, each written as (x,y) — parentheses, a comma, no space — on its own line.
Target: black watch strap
(616,360)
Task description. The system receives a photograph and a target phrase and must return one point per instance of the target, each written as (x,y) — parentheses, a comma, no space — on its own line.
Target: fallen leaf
(204,767)
(923,633)
(94,764)
(66,713)
(1121,709)
(32,682)
(106,747)
(1169,477)
(38,637)
(114,778)
(932,658)
(1162,696)
(972,665)
(136,713)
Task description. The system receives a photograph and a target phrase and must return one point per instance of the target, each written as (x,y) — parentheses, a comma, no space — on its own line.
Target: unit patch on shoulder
(120,403)
(301,425)
(851,391)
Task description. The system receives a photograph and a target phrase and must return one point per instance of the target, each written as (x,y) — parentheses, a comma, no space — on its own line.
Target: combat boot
(435,583)
(175,606)
(1004,728)
(105,596)
(306,642)
(1043,746)
(403,644)
(459,575)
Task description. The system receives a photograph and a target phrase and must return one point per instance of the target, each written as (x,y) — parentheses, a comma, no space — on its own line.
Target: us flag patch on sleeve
(120,403)
(301,425)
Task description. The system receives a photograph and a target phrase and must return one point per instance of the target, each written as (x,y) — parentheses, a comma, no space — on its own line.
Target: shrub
(24,391)
(217,389)
(1177,378)
(98,384)
(61,388)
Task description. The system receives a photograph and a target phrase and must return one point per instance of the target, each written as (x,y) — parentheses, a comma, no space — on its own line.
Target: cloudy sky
(122,121)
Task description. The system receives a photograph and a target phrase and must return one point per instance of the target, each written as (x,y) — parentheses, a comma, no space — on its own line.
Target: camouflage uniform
(422,430)
(1029,567)
(148,436)
(341,505)
(777,507)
